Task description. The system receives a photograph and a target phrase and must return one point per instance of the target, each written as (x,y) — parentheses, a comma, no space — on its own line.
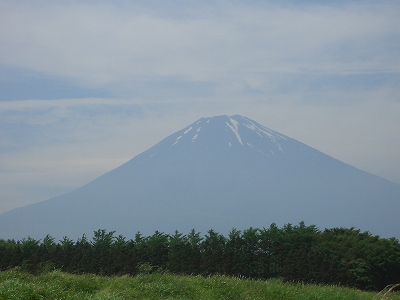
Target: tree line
(295,253)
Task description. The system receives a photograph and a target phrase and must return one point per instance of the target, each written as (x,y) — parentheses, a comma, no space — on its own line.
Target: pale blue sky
(87,85)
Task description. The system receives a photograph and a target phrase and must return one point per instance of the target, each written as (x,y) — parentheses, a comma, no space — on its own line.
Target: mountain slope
(220,172)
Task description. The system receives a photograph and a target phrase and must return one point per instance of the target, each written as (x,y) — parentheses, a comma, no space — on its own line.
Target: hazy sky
(87,85)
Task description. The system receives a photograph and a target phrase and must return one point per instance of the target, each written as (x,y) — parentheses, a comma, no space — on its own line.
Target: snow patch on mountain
(177,140)
(186,131)
(235,129)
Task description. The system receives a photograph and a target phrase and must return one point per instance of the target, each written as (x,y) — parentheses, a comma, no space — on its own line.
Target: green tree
(212,249)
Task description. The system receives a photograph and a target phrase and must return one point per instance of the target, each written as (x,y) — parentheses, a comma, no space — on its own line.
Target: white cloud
(104,44)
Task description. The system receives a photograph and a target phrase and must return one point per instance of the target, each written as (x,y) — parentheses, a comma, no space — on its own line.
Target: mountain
(218,173)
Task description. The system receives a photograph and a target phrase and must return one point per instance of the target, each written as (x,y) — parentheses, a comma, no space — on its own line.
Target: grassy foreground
(15,284)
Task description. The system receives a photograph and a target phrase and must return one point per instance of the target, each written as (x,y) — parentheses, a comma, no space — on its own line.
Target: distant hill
(219,172)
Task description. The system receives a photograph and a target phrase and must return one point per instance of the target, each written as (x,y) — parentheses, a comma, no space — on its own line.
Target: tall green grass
(15,284)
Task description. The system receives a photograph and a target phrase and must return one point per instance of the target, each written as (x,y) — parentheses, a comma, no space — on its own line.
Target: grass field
(53,285)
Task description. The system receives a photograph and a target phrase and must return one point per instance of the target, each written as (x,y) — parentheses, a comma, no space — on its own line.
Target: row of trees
(295,253)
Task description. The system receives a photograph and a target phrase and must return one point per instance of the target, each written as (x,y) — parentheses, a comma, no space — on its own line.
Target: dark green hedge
(295,253)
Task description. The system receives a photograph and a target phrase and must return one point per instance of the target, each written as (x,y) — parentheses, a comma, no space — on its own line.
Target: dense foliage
(294,253)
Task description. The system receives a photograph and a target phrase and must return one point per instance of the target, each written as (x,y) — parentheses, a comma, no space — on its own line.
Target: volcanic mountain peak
(237,124)
(217,173)
(230,131)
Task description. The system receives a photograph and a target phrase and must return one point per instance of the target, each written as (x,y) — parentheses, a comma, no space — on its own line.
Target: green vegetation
(15,284)
(339,256)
